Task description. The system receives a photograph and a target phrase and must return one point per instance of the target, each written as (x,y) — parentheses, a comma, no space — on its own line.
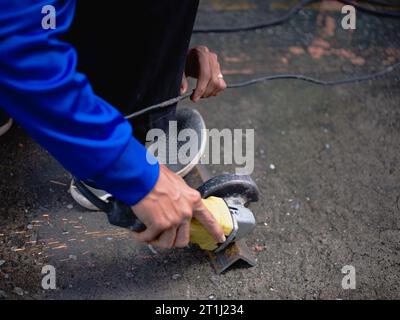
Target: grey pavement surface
(332,199)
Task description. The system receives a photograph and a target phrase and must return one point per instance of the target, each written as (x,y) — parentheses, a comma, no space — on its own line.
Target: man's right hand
(167,210)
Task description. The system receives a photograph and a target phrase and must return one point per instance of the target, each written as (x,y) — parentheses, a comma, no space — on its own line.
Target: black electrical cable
(368,9)
(269,78)
(256,26)
(384,3)
(296,9)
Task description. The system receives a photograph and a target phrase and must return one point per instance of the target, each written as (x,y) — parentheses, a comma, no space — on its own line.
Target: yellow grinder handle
(220,211)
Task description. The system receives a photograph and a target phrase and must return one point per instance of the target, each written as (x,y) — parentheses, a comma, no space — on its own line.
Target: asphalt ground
(326,163)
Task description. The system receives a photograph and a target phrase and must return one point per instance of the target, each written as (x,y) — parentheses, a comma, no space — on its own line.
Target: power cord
(384,3)
(296,9)
(256,26)
(387,13)
(250,82)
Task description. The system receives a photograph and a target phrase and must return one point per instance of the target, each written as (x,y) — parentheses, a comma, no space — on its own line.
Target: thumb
(201,213)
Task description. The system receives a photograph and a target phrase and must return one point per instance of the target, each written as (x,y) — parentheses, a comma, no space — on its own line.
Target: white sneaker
(186,118)
(82,200)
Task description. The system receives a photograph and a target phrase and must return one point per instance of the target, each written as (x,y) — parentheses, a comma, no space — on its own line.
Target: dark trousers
(134,56)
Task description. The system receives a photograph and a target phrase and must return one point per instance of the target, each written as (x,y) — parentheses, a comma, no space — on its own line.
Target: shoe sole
(6,127)
(82,200)
(185,170)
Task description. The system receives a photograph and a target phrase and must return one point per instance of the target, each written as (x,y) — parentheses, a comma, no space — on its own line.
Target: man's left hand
(203,65)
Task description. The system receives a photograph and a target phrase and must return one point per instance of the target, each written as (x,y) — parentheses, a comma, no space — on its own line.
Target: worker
(69,85)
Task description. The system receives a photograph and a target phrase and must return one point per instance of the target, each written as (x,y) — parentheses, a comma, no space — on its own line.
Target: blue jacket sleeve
(41,89)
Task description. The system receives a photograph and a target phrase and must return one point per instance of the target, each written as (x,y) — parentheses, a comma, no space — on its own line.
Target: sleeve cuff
(132,176)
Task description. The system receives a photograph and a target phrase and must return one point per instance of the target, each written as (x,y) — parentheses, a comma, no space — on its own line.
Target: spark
(92,232)
(57,182)
(63,246)
(62,260)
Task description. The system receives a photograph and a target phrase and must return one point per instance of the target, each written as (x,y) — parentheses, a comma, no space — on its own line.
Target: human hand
(203,65)
(167,211)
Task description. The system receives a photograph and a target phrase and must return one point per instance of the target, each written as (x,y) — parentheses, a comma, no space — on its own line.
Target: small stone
(109,238)
(80,218)
(73,257)
(152,249)
(70,206)
(296,205)
(29,227)
(327,146)
(2,262)
(176,276)
(258,248)
(272,166)
(19,291)
(211,297)
(215,279)
(265,224)
(129,275)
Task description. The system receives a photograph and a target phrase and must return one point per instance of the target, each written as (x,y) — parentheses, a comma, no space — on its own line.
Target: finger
(166,240)
(213,83)
(220,83)
(148,235)
(203,78)
(183,235)
(184,85)
(217,84)
(220,87)
(202,214)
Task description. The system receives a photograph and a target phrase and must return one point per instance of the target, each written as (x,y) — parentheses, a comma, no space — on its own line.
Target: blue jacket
(41,89)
